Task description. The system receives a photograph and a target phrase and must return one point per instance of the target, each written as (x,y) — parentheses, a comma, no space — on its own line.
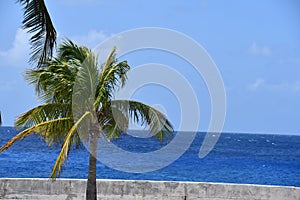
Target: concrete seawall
(71,189)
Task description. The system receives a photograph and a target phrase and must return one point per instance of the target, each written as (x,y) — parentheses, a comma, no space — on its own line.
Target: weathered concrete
(71,189)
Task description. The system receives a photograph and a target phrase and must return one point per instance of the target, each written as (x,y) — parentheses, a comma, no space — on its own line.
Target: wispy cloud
(259,50)
(258,82)
(289,61)
(91,39)
(18,54)
(261,84)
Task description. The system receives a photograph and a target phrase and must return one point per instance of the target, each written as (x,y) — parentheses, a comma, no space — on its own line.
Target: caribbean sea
(236,158)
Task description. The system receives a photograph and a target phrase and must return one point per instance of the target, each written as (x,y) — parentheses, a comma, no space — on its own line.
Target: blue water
(236,158)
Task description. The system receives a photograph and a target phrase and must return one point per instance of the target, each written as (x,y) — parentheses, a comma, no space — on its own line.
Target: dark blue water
(237,158)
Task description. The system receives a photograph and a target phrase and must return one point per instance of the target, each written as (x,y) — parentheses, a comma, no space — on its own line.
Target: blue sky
(255,44)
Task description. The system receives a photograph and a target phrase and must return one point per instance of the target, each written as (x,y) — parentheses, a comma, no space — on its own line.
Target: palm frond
(52,132)
(110,60)
(53,82)
(39,128)
(114,121)
(112,131)
(42,113)
(63,155)
(112,76)
(85,86)
(72,53)
(37,21)
(143,114)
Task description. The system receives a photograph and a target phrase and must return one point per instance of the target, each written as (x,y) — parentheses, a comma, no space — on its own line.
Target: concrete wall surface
(71,189)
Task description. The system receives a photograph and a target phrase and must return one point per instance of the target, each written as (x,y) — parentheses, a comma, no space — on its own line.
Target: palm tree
(37,21)
(78,96)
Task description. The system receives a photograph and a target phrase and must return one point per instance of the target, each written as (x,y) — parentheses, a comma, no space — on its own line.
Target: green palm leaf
(112,76)
(142,114)
(55,131)
(63,155)
(38,22)
(41,114)
(71,53)
(39,128)
(53,82)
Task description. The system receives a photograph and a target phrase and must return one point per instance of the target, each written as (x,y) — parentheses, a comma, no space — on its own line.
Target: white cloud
(256,84)
(288,87)
(91,39)
(290,61)
(261,84)
(258,50)
(19,53)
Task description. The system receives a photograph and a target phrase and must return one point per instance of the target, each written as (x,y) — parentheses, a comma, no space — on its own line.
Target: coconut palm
(37,21)
(79,106)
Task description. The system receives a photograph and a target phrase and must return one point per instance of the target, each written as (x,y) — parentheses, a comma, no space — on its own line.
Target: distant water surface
(237,158)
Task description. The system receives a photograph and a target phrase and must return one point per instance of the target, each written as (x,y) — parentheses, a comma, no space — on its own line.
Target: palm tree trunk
(91,188)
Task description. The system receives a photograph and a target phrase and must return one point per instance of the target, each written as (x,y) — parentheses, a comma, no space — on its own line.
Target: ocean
(237,158)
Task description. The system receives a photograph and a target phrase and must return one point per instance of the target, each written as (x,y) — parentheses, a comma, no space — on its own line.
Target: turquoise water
(236,158)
